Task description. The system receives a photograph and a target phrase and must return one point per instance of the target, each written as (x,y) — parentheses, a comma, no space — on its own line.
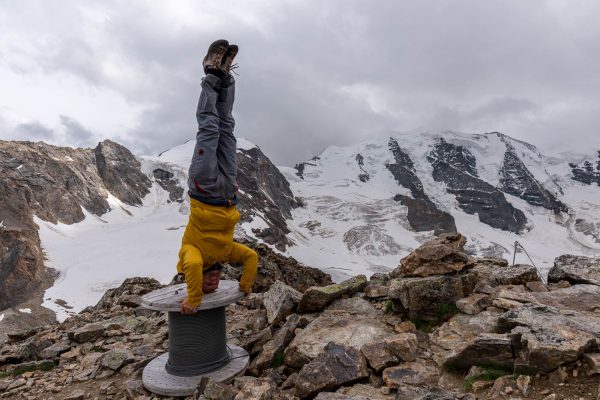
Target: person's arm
(248,257)
(192,263)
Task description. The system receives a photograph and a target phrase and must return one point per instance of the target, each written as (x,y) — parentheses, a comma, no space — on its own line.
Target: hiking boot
(227,62)
(214,56)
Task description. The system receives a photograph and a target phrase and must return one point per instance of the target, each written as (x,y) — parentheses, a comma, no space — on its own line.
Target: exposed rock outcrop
(423,214)
(55,184)
(586,172)
(456,166)
(264,190)
(516,179)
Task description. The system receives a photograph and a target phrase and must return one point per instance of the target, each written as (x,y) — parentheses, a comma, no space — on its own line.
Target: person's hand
(186,308)
(246,291)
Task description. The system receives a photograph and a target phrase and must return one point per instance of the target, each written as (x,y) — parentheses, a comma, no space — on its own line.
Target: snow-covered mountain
(350,210)
(367,205)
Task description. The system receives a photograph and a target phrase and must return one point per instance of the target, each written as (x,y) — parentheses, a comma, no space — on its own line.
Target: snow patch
(245,144)
(25,310)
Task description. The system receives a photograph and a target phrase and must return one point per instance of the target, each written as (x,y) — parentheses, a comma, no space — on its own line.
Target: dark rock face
(516,179)
(455,166)
(364,175)
(300,166)
(264,188)
(586,172)
(121,172)
(54,183)
(167,181)
(423,215)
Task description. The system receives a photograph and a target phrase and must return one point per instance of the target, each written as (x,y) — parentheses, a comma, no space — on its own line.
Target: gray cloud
(75,133)
(315,74)
(35,130)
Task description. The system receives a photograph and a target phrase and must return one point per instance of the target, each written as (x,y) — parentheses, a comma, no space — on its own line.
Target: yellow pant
(208,238)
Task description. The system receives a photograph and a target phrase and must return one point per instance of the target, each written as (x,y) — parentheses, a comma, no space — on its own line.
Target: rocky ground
(443,325)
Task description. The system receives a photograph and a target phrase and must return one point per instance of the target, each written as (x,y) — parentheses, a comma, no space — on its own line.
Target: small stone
(376,291)
(523,382)
(218,391)
(75,395)
(550,397)
(116,358)
(593,361)
(403,345)
(405,327)
(87,333)
(379,356)
(536,286)
(558,376)
(474,304)
(481,386)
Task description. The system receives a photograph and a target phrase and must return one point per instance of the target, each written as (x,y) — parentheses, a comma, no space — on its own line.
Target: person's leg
(226,151)
(204,170)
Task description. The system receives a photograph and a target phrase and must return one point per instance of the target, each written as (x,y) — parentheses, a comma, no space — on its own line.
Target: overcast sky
(312,73)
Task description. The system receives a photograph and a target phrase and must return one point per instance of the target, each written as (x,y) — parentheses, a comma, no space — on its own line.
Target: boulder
(115,359)
(518,274)
(355,392)
(575,269)
(272,351)
(465,340)
(428,298)
(577,298)
(56,349)
(416,393)
(280,301)
(442,255)
(87,333)
(544,338)
(315,298)
(339,327)
(336,366)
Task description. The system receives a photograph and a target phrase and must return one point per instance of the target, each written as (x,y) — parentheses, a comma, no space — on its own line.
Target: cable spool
(197,343)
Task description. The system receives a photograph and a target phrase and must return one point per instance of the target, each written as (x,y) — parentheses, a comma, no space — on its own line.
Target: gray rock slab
(352,330)
(575,269)
(157,380)
(169,298)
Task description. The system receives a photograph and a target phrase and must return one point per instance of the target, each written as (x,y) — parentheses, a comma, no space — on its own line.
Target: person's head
(211,278)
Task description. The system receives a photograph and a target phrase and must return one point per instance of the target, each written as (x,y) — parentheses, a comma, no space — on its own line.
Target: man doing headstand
(207,242)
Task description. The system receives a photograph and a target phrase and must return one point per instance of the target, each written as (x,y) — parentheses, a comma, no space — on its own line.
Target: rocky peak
(423,214)
(121,172)
(456,166)
(516,179)
(586,172)
(55,184)
(264,191)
